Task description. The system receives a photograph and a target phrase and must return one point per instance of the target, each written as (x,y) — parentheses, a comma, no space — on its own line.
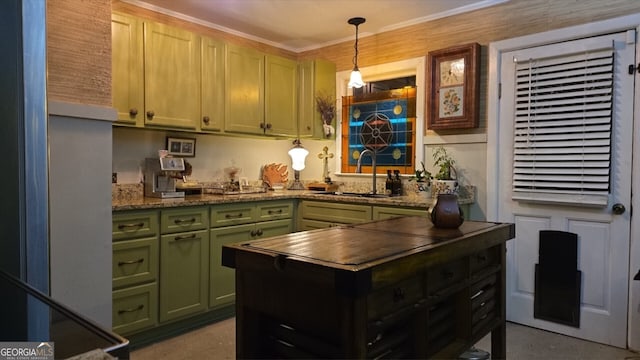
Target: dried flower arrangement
(326,107)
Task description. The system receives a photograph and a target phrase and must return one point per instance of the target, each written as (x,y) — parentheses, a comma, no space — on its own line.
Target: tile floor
(216,341)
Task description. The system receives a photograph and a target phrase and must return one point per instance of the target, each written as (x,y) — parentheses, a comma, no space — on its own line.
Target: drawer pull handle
(181,221)
(481,257)
(279,211)
(229,216)
(256,232)
(124,226)
(130,262)
(447,274)
(192,236)
(137,308)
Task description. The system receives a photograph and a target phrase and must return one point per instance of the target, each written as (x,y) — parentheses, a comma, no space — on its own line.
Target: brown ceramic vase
(446,212)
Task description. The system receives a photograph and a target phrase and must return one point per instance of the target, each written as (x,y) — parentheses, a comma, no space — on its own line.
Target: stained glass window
(384,123)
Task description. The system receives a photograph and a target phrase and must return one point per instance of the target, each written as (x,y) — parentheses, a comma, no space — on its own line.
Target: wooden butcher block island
(397,288)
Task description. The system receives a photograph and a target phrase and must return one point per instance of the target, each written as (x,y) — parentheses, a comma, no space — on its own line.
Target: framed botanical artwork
(453,84)
(181,146)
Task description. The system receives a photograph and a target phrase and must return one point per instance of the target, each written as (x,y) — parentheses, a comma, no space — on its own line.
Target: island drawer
(134,224)
(390,301)
(443,278)
(135,308)
(484,259)
(484,296)
(134,262)
(184,219)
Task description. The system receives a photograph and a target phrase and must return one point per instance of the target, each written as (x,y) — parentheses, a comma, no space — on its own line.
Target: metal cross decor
(325,155)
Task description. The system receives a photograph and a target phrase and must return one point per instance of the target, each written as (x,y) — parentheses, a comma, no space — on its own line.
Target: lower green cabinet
(184,274)
(135,308)
(222,286)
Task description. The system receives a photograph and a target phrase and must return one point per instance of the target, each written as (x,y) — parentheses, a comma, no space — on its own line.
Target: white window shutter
(562,130)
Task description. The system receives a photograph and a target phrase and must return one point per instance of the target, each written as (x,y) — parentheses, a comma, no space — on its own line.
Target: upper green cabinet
(317,78)
(212,62)
(244,88)
(281,96)
(171,76)
(261,93)
(126,69)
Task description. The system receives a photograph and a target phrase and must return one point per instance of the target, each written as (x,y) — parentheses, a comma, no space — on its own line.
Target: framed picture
(453,85)
(181,146)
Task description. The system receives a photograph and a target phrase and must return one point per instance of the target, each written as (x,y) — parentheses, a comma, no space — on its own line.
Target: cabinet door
(281,96)
(171,77)
(212,113)
(244,84)
(126,69)
(222,282)
(317,78)
(184,274)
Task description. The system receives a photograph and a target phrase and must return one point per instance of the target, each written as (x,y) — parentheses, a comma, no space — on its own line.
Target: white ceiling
(299,25)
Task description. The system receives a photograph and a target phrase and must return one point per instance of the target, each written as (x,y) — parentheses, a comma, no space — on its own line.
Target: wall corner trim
(82,111)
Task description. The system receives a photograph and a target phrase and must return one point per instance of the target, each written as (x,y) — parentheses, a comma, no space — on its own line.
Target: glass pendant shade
(298,155)
(355,81)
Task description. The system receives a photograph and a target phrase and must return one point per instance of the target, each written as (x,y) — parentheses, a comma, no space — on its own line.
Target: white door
(587,210)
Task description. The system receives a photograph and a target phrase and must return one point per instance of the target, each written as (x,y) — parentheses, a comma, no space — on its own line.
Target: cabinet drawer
(130,225)
(233,214)
(134,261)
(395,301)
(484,259)
(444,277)
(274,210)
(135,308)
(336,212)
(187,219)
(387,212)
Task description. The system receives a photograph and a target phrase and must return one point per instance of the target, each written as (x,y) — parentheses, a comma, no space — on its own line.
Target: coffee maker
(160,176)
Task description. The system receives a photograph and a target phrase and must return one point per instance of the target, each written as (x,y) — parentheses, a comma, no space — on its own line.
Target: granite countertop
(139,203)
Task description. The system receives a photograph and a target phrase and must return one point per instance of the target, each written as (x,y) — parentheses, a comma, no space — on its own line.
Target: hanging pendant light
(355,81)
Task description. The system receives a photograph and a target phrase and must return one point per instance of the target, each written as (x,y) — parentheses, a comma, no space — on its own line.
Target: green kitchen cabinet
(213,94)
(281,96)
(127,69)
(244,90)
(171,77)
(231,223)
(222,290)
(184,261)
(135,270)
(184,274)
(319,214)
(317,78)
(386,212)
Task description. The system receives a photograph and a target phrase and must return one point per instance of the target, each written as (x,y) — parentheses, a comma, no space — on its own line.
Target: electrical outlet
(114,178)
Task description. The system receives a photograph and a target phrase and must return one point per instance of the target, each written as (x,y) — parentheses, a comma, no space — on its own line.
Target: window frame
(408,67)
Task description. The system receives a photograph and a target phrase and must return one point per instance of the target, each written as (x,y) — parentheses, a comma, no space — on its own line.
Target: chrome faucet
(372,154)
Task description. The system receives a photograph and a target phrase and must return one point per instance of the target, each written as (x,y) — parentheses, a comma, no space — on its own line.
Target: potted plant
(422,180)
(446,177)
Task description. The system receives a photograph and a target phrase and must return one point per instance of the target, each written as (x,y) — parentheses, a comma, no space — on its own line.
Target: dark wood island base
(396,288)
